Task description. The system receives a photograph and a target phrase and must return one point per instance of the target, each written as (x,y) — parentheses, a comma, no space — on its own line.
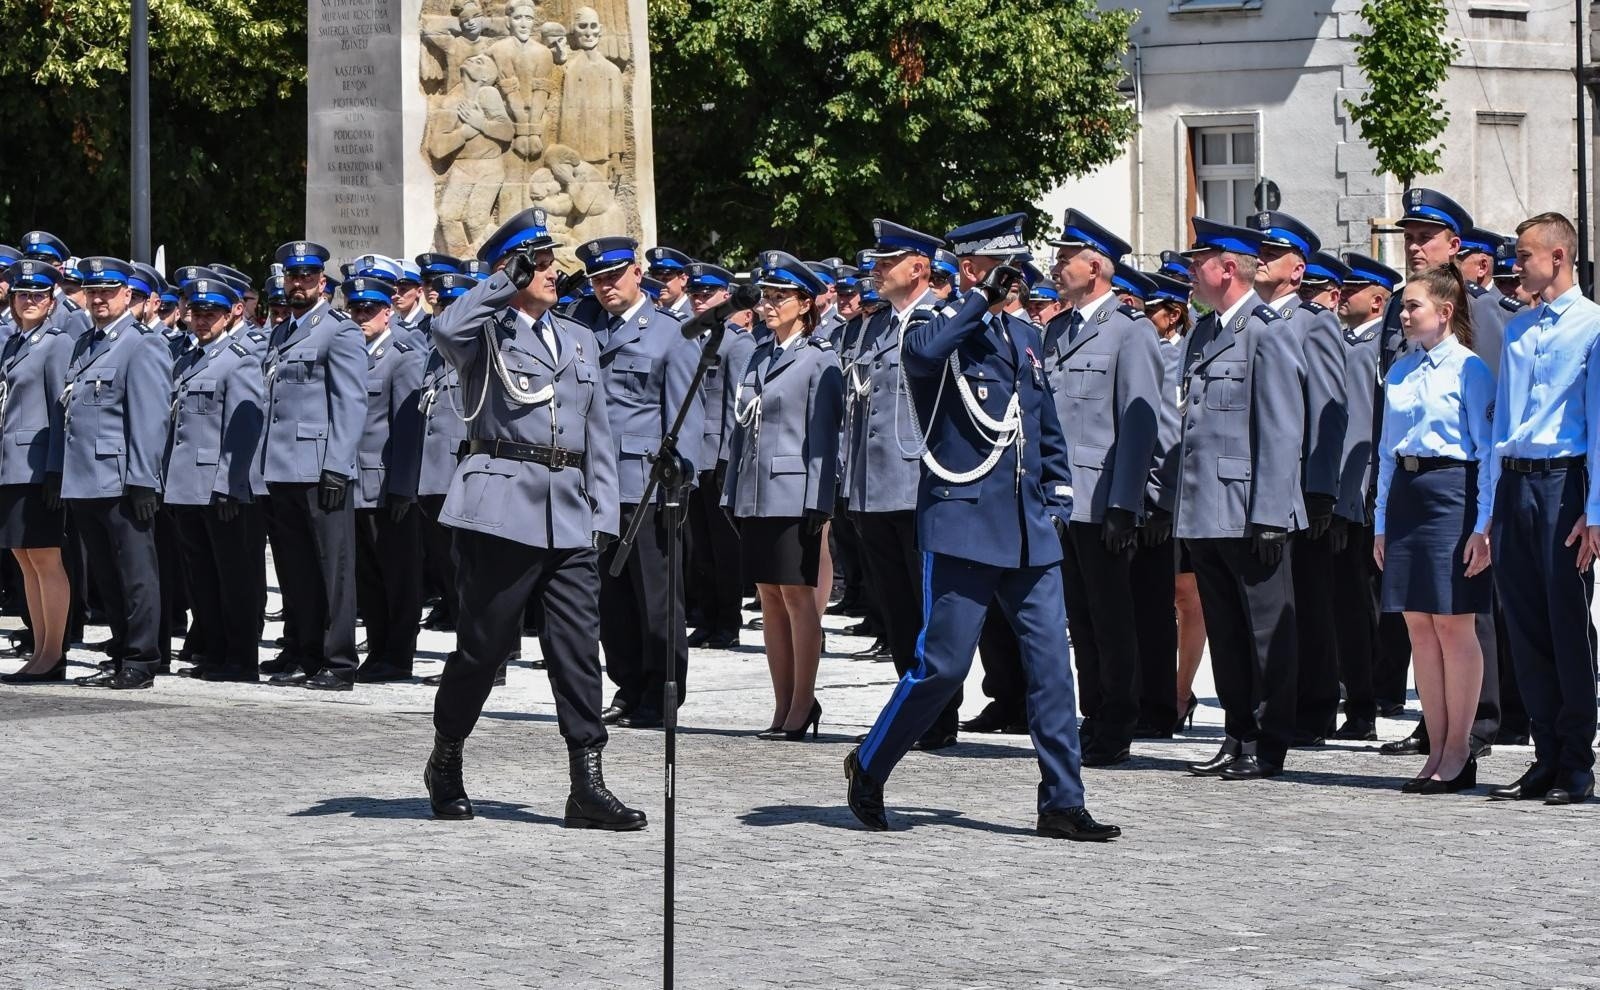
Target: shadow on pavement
(417,808)
(900,819)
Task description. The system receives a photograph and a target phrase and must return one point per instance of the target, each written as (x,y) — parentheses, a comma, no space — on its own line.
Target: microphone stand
(667,475)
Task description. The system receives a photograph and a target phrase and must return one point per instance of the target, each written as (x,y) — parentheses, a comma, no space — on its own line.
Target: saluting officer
(534,497)
(990,506)
(119,385)
(316,369)
(1106,376)
(648,368)
(388,580)
(443,431)
(1239,497)
(213,483)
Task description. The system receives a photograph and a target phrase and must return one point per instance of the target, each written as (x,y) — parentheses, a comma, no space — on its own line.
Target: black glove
(145,501)
(568,285)
(1338,535)
(1319,509)
(1061,526)
(998,283)
(227,508)
(815,520)
(1268,543)
(52,492)
(603,540)
(398,507)
(1157,528)
(1119,529)
(520,269)
(331,491)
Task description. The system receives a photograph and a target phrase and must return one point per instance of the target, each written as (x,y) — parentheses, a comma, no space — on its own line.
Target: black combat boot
(446,792)
(591,804)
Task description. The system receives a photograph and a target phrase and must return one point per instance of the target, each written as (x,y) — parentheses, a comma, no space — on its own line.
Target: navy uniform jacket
(1363,390)
(1163,488)
(34,366)
(784,457)
(218,406)
(524,501)
(391,440)
(716,393)
(1107,386)
(119,391)
(648,367)
(1489,321)
(441,409)
(316,398)
(1243,427)
(1327,413)
(884,447)
(1002,519)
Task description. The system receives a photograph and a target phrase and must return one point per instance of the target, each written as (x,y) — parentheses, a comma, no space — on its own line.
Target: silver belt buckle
(1410,464)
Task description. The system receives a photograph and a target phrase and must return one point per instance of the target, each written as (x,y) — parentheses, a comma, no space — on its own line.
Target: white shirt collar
(1279,303)
(377,342)
(633,311)
(1362,330)
(1233,310)
(1092,307)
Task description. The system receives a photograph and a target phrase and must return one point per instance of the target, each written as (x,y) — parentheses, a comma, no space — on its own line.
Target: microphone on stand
(743,298)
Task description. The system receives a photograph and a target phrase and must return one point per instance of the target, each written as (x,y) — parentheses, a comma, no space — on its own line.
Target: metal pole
(1579,72)
(139,159)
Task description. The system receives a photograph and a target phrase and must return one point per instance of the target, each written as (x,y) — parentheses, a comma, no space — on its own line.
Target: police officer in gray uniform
(1239,497)
(1489,318)
(388,580)
(316,370)
(41,245)
(1106,377)
(213,483)
(118,390)
(534,498)
(648,367)
(443,432)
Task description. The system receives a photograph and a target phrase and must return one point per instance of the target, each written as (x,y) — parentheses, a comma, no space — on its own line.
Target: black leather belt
(1419,465)
(537,453)
(1529,465)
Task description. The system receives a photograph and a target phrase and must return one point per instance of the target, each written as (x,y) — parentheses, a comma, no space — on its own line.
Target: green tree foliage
(1405,57)
(791,123)
(228,125)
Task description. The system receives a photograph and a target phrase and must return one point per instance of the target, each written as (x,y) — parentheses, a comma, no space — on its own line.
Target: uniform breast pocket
(985,389)
(199,396)
(298,365)
(1225,385)
(788,464)
(374,384)
(584,376)
(1088,376)
(97,387)
(631,375)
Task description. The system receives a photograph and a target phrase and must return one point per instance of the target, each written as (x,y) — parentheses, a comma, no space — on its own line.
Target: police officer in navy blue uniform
(648,367)
(443,431)
(315,368)
(990,506)
(1106,375)
(534,498)
(715,557)
(388,542)
(213,483)
(1239,497)
(117,395)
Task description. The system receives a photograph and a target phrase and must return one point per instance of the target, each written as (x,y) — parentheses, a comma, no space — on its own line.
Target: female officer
(34,366)
(782,468)
(1431,519)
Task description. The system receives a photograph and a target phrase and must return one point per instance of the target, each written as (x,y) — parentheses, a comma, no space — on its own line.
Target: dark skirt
(25,523)
(778,550)
(1428,519)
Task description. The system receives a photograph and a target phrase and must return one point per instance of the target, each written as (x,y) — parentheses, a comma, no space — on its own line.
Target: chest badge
(983,392)
(522,381)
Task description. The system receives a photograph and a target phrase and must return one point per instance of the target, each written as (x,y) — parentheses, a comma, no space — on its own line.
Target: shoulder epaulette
(819,340)
(672,313)
(69,305)
(1476,289)
(1132,312)
(403,347)
(239,349)
(340,314)
(142,328)
(1266,314)
(256,336)
(1313,307)
(1511,304)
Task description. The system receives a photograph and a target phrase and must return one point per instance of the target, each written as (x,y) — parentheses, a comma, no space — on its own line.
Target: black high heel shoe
(1465,780)
(813,722)
(771,732)
(58,673)
(1186,718)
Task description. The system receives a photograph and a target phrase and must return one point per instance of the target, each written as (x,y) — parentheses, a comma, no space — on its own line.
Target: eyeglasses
(777,297)
(31,295)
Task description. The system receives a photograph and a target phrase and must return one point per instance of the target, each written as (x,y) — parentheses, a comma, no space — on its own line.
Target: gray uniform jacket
(648,367)
(784,459)
(316,370)
(1107,385)
(218,406)
(70,317)
(883,444)
(1489,321)
(442,426)
(1363,391)
(716,393)
(1243,425)
(1327,414)
(1163,488)
(391,440)
(34,366)
(525,501)
(118,394)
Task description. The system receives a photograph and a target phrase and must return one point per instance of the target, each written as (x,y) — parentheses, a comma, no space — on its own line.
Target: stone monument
(433,120)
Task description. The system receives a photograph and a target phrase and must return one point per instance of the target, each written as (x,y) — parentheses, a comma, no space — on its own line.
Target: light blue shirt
(1436,403)
(1547,404)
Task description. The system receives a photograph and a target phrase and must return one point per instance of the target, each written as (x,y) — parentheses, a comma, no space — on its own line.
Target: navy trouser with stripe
(1546,604)
(955,595)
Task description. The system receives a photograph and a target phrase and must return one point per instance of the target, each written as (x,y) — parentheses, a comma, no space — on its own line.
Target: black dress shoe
(369,673)
(864,795)
(641,718)
(1391,709)
(591,804)
(1214,766)
(1465,780)
(230,676)
(1105,756)
(132,679)
(991,719)
(432,680)
(1415,744)
(1535,783)
(722,640)
(327,680)
(447,794)
(1576,789)
(293,677)
(1505,738)
(870,653)
(107,664)
(1248,766)
(278,664)
(102,678)
(934,742)
(1075,824)
(55,675)
(1142,731)
(1307,740)
(862,628)
(613,712)
(198,672)
(1358,730)
(698,638)
(1481,747)
(439,622)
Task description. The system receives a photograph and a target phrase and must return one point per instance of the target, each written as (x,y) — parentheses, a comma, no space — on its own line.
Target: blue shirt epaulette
(239,349)
(1267,314)
(1511,304)
(1131,312)
(1313,307)
(1476,289)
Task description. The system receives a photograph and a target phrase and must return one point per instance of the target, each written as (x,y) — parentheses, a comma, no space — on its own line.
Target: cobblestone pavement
(237,836)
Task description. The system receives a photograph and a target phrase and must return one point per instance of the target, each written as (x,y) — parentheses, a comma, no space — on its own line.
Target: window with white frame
(1210,6)
(1225,172)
